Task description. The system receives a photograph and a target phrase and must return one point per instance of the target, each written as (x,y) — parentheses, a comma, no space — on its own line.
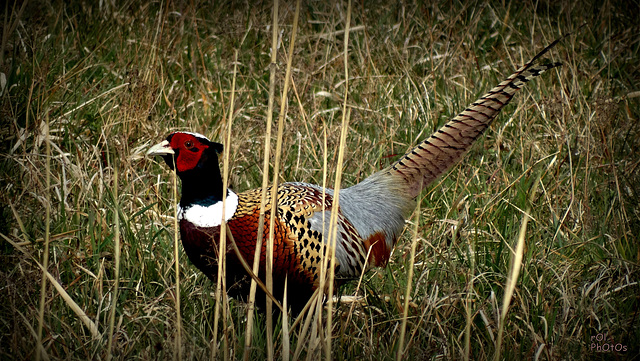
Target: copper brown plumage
(371,214)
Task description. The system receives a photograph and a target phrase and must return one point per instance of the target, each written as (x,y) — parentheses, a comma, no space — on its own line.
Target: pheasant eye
(188,144)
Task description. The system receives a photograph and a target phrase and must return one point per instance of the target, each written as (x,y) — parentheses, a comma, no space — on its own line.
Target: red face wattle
(189,150)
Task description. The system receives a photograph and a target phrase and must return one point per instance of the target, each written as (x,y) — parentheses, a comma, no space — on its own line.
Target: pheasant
(371,214)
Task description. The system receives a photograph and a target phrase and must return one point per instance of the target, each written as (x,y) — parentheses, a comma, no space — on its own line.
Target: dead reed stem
(222,286)
(116,256)
(274,185)
(45,255)
(407,295)
(177,355)
(333,229)
(265,179)
(514,271)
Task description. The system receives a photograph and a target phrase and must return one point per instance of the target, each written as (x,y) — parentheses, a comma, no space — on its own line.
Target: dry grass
(114,80)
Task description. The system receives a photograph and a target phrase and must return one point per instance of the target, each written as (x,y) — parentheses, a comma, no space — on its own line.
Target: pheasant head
(187,151)
(195,159)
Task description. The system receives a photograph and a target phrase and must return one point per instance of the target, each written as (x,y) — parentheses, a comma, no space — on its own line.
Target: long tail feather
(436,154)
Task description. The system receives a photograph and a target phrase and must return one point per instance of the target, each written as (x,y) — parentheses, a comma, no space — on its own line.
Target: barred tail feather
(436,154)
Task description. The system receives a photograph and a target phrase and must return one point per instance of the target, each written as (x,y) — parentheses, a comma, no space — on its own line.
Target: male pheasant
(371,214)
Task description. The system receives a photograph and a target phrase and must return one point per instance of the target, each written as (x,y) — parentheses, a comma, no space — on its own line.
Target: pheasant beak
(163,148)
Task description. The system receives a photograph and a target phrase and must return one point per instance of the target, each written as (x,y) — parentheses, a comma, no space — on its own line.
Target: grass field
(86,89)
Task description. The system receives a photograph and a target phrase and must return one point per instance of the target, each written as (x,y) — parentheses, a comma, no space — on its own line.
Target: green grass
(112,81)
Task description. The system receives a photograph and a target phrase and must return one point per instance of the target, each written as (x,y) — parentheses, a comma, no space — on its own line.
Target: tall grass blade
(265,180)
(177,351)
(272,217)
(116,256)
(407,295)
(333,229)
(222,287)
(514,272)
(285,321)
(274,184)
(47,227)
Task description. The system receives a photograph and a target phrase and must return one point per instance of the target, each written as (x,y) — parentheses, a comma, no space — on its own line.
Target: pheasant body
(371,214)
(298,239)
